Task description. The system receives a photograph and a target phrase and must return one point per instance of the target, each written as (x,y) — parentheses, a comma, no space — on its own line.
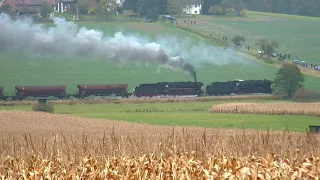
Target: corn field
(35,145)
(311,109)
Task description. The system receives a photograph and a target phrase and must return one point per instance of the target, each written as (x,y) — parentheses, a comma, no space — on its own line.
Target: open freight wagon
(103,90)
(40,91)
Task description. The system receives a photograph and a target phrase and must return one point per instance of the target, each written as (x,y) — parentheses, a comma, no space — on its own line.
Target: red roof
(41,88)
(103,86)
(33,2)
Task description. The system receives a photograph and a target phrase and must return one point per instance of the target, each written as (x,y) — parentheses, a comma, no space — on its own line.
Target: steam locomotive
(144,90)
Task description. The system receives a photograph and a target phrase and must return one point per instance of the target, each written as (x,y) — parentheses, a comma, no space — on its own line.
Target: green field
(296,35)
(182,114)
(21,69)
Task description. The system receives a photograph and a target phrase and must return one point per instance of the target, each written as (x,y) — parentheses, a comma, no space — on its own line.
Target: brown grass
(34,144)
(311,109)
(144,100)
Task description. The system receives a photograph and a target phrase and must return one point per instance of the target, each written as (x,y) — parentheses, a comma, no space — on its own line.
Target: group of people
(305,64)
(283,56)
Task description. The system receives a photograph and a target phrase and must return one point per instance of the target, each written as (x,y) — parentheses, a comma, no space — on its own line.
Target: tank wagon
(169,89)
(144,90)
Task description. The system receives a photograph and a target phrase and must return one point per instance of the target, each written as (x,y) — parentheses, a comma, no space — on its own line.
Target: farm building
(119,2)
(65,5)
(192,7)
(34,6)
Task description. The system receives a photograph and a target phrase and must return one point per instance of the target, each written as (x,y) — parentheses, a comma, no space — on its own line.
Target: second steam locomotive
(144,90)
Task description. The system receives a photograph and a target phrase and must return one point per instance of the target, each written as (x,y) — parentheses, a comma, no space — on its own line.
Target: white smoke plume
(69,39)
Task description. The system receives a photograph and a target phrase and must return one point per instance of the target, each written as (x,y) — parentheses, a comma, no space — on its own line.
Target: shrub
(238,40)
(243,12)
(216,10)
(303,95)
(230,12)
(43,107)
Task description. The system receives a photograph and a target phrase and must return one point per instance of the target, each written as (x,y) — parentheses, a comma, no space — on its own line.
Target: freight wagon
(40,91)
(103,90)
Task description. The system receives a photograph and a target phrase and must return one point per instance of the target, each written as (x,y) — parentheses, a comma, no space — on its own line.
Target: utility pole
(77,10)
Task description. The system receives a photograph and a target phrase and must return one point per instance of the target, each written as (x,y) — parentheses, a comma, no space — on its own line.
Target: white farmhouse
(119,2)
(192,7)
(64,5)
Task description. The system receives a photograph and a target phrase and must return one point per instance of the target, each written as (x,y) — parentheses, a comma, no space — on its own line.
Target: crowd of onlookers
(305,64)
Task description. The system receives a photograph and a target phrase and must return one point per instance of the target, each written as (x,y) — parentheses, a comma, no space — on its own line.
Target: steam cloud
(67,38)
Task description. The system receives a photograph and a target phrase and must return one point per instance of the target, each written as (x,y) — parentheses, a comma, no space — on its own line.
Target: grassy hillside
(19,69)
(297,35)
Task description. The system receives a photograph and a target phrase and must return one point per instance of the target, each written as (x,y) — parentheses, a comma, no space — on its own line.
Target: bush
(216,10)
(43,107)
(230,12)
(238,40)
(243,12)
(303,95)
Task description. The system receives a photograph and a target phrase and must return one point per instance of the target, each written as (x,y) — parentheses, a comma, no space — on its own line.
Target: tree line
(292,7)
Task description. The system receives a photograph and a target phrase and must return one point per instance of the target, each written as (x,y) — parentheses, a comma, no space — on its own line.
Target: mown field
(220,64)
(185,114)
(297,35)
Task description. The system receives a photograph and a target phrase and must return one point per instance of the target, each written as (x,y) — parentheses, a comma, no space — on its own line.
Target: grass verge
(196,114)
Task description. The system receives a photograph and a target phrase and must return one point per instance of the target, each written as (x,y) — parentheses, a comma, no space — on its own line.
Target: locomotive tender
(144,90)
(169,89)
(239,87)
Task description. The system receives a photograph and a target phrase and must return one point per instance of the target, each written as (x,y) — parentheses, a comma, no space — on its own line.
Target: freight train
(143,90)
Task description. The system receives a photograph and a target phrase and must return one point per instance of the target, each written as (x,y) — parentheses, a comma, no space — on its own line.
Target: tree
(288,79)
(46,9)
(159,6)
(131,5)
(267,46)
(106,8)
(216,10)
(237,40)
(6,8)
(174,9)
(207,4)
(83,7)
